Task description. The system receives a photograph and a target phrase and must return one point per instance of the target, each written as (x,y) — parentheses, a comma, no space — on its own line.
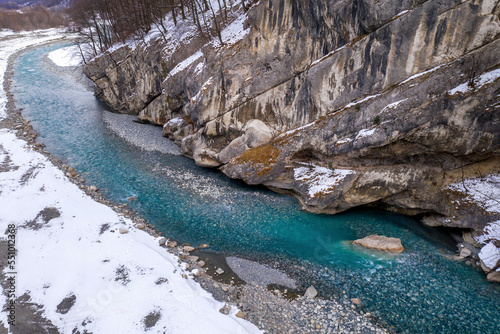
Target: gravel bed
(272,312)
(146,136)
(277,309)
(256,273)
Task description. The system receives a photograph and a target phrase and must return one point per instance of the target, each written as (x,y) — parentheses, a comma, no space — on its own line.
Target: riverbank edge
(244,296)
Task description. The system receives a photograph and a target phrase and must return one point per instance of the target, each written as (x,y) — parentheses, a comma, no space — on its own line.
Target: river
(419,291)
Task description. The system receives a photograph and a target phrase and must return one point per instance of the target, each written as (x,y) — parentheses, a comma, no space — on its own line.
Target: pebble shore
(273,310)
(276,310)
(148,137)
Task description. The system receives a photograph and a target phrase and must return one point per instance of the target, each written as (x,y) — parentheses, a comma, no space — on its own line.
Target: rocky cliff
(340,103)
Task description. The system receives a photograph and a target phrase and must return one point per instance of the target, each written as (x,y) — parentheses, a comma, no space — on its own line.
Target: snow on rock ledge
(320,180)
(491,233)
(483,191)
(490,254)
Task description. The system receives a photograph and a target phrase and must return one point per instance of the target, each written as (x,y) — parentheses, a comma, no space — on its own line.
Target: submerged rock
(255,273)
(381,243)
(356,301)
(192,258)
(311,292)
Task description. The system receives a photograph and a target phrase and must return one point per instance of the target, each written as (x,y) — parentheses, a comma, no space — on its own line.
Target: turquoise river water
(418,291)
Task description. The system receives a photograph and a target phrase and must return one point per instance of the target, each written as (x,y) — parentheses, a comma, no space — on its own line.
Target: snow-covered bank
(73,259)
(9,45)
(68,56)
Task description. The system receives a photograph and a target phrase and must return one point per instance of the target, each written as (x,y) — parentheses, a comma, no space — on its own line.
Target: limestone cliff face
(127,80)
(339,102)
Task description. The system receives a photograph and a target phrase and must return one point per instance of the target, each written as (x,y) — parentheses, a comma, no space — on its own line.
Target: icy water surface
(419,291)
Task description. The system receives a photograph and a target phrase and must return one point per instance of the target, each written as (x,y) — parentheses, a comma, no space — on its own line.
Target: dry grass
(265,154)
(260,158)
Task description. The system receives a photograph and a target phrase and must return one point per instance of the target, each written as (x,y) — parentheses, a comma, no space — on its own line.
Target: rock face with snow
(339,103)
(127,80)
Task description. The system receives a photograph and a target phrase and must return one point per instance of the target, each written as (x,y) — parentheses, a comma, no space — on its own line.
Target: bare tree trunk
(205,3)
(217,27)
(182,10)
(174,16)
(207,28)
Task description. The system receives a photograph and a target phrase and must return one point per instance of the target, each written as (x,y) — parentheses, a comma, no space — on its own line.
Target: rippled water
(419,291)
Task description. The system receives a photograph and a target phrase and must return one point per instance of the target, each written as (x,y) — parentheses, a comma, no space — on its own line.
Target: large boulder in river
(379,242)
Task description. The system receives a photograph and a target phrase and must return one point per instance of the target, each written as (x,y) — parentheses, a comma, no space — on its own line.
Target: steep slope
(340,103)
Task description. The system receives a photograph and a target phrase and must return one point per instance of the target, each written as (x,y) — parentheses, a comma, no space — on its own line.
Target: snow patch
(294,131)
(352,104)
(68,56)
(6,32)
(365,133)
(175,121)
(185,63)
(491,232)
(400,14)
(479,82)
(392,106)
(483,191)
(199,68)
(344,141)
(234,32)
(320,180)
(331,53)
(421,74)
(203,89)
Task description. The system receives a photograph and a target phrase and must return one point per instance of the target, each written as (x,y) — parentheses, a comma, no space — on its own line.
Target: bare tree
(105,22)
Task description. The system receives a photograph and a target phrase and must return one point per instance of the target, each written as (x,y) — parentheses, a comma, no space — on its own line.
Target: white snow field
(70,248)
